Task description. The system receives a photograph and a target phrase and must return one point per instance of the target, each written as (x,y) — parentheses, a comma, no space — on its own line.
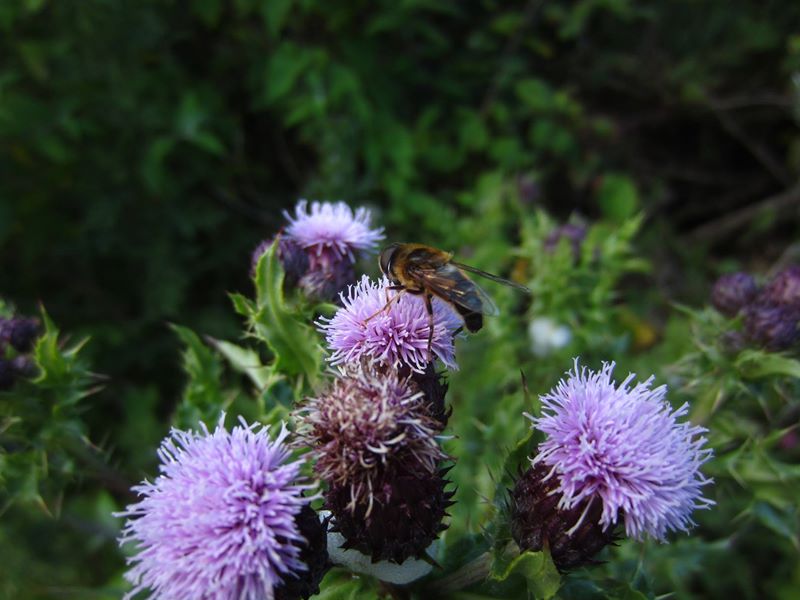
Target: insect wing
(491,277)
(450,284)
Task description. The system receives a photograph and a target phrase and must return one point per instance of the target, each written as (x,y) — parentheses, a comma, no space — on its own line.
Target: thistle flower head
(368,421)
(19,332)
(219,521)
(732,292)
(332,228)
(784,289)
(773,326)
(574,234)
(395,334)
(621,445)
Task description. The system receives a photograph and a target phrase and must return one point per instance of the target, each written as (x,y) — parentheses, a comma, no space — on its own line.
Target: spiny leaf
(295,345)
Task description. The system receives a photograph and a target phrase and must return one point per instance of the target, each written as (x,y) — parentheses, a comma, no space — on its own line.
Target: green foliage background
(146,146)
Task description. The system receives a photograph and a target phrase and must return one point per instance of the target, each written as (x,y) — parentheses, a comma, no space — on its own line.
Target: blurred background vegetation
(147,146)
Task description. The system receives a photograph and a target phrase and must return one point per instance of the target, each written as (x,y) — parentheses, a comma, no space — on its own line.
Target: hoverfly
(423,270)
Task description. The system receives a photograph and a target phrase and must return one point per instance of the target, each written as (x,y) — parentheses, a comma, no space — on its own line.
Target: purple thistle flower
(332,231)
(574,234)
(219,521)
(373,435)
(623,446)
(367,420)
(396,336)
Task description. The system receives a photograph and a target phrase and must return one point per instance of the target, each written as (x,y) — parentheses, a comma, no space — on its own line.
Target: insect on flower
(427,271)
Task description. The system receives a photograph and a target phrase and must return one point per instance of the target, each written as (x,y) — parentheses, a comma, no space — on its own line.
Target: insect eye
(385,259)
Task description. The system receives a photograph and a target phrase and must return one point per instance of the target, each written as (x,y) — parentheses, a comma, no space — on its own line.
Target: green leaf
(295,345)
(782,521)
(203,399)
(247,361)
(339,584)
(537,568)
(755,364)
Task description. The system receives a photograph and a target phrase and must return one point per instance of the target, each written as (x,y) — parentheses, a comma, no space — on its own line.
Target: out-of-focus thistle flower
(226,518)
(19,332)
(574,234)
(365,328)
(732,292)
(784,289)
(374,439)
(773,326)
(332,231)
(331,234)
(547,336)
(294,259)
(613,453)
(528,189)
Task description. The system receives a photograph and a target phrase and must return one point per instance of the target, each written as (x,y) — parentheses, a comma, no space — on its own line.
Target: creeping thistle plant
(232,514)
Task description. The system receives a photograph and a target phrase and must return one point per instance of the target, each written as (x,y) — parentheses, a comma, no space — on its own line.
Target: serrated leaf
(203,398)
(537,568)
(243,305)
(295,344)
(247,361)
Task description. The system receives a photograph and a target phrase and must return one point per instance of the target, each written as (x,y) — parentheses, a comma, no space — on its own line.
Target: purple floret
(395,335)
(219,521)
(623,446)
(333,228)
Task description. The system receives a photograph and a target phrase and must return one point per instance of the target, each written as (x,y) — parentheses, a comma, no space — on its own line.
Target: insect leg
(389,302)
(429,308)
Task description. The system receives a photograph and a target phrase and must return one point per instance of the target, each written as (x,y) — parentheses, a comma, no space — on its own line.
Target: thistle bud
(772,326)
(732,292)
(19,332)
(400,519)
(574,535)
(784,289)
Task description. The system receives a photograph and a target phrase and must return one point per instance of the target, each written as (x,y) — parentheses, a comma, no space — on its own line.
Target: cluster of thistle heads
(770,314)
(17,337)
(230,516)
